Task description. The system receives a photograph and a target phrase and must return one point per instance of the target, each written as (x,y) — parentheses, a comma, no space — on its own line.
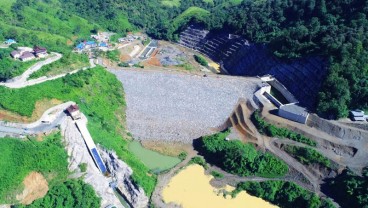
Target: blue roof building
(91,43)
(80,46)
(103,44)
(10,41)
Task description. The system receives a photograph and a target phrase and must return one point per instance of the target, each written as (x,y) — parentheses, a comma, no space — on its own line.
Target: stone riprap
(180,107)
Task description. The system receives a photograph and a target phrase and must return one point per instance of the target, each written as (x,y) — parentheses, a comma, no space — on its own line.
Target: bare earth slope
(180,106)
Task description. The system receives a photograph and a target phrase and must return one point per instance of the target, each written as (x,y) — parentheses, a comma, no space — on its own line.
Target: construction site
(171,99)
(183,107)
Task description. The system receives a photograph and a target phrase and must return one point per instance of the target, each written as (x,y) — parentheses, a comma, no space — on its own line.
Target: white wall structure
(294,112)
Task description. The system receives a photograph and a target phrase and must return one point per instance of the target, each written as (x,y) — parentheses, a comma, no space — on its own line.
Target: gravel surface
(178,106)
(78,154)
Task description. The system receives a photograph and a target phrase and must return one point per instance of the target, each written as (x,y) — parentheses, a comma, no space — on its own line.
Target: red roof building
(39,51)
(74,112)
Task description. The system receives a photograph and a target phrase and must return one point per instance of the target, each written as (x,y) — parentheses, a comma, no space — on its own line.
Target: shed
(74,112)
(26,56)
(15,54)
(357,113)
(294,112)
(39,51)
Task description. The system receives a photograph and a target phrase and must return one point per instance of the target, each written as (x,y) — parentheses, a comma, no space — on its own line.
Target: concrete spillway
(91,145)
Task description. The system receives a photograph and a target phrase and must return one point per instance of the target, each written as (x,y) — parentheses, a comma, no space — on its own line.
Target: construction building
(74,112)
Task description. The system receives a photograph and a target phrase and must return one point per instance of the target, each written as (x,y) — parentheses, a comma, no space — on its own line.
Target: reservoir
(191,188)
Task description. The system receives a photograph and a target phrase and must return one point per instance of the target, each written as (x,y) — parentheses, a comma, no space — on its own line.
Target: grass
(189,14)
(217,174)
(273,131)
(187,66)
(69,62)
(58,22)
(101,98)
(198,160)
(171,3)
(113,55)
(201,60)
(83,167)
(308,155)
(153,160)
(19,158)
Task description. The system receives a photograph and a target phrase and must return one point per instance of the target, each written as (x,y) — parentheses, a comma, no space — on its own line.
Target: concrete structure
(293,112)
(279,87)
(358,115)
(82,126)
(27,56)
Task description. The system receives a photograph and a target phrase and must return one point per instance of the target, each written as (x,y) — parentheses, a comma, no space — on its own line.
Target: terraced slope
(303,77)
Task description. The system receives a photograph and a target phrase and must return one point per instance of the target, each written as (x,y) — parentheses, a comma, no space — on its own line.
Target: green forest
(239,158)
(101,98)
(348,189)
(19,158)
(284,194)
(71,193)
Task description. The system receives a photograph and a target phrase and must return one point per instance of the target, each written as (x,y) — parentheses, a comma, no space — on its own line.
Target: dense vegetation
(273,131)
(43,23)
(10,68)
(19,158)
(307,155)
(336,30)
(348,189)
(241,159)
(100,96)
(201,60)
(71,193)
(198,160)
(283,194)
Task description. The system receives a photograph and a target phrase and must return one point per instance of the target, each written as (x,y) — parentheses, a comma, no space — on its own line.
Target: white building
(358,115)
(293,112)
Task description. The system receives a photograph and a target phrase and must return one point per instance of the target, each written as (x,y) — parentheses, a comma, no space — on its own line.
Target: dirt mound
(35,187)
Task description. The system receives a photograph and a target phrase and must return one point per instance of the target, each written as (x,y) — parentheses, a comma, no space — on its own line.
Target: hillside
(318,49)
(39,23)
(336,30)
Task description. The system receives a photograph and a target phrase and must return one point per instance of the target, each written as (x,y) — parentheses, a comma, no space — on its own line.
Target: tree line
(239,158)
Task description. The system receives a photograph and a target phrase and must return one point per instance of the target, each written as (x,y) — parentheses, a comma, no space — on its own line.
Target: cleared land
(177,106)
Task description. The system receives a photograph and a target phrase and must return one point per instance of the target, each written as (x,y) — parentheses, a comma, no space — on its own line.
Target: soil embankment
(35,187)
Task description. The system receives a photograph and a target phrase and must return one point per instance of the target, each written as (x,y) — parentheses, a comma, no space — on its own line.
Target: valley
(134,104)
